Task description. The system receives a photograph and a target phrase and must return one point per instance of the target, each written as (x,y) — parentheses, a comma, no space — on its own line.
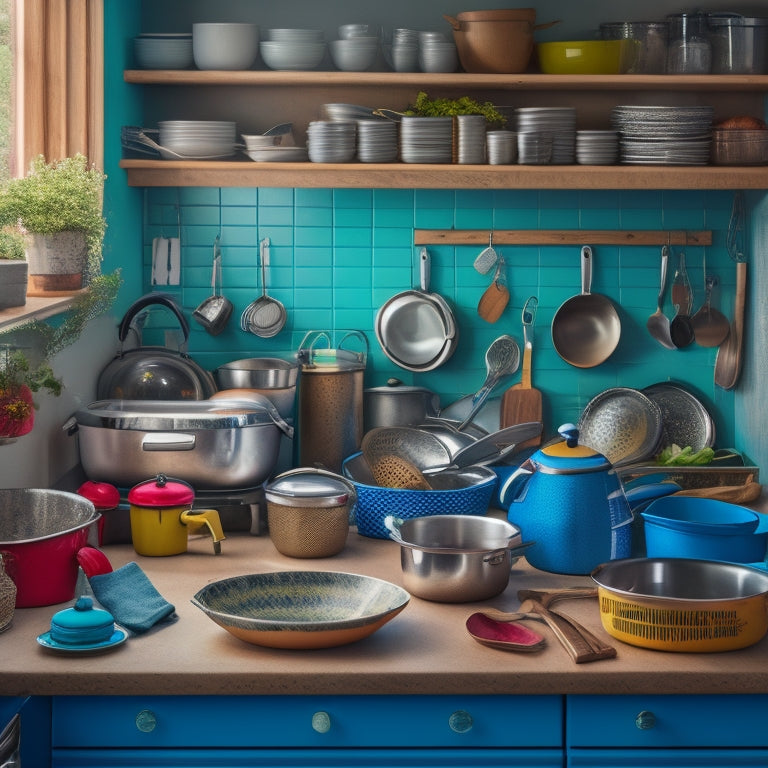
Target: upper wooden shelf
(245,173)
(453,80)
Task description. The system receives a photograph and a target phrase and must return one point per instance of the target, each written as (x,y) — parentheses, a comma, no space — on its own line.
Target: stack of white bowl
(403,54)
(426,139)
(437,53)
(597,147)
(354,54)
(225,46)
(198,138)
(293,49)
(331,141)
(376,141)
(163,50)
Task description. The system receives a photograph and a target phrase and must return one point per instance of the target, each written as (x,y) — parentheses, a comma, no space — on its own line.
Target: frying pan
(586,328)
(416,329)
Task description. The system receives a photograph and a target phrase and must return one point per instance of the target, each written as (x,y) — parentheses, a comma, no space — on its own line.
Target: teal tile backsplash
(338,255)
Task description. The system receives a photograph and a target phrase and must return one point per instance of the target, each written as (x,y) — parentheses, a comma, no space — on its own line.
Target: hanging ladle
(658,322)
(710,326)
(502,358)
(680,329)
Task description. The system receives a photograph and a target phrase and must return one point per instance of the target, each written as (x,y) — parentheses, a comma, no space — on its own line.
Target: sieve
(266,316)
(420,448)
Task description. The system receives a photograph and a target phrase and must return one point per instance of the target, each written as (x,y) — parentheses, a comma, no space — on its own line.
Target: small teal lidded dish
(82,628)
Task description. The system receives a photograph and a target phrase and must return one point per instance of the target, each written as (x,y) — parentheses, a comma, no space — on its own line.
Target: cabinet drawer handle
(460,721)
(321,722)
(645,720)
(146,721)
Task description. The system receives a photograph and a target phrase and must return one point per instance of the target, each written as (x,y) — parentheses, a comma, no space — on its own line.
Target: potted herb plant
(13,268)
(60,205)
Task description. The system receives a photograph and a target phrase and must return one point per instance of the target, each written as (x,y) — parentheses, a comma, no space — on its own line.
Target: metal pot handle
(148,299)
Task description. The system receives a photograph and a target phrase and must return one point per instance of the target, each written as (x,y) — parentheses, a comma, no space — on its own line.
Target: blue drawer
(667,721)
(308,721)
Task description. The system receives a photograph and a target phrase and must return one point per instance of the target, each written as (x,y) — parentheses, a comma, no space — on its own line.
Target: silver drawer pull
(321,722)
(645,720)
(146,721)
(460,721)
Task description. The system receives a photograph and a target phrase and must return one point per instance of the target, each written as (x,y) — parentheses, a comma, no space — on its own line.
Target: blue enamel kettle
(568,500)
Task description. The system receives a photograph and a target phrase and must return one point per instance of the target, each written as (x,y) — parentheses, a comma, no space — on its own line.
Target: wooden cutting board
(522,403)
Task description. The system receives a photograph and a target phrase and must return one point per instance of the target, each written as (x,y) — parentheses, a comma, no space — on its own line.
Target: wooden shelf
(36,308)
(453,81)
(245,173)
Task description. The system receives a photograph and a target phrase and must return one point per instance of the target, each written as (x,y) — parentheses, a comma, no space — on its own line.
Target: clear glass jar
(689,51)
(647,53)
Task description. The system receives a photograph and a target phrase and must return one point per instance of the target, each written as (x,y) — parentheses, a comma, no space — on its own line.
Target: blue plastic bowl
(374,503)
(707,529)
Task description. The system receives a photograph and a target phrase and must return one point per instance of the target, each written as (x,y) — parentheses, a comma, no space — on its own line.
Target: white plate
(278,155)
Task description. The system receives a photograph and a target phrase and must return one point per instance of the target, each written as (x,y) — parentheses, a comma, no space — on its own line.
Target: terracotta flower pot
(56,263)
(17,411)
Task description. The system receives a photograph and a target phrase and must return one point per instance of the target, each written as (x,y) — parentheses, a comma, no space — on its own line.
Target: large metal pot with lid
(308,511)
(398,405)
(212,444)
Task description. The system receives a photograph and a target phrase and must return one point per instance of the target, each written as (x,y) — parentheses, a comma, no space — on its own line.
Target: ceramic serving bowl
(582,57)
(301,609)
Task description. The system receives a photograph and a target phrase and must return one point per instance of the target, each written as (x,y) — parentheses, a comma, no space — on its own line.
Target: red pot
(41,532)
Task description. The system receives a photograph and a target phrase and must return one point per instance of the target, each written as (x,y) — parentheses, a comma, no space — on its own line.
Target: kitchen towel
(132,599)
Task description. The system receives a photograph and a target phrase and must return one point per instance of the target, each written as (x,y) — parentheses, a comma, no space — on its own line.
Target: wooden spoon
(496,297)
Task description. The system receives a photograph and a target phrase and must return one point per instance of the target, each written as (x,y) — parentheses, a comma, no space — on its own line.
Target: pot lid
(308,488)
(81,616)
(102,495)
(569,455)
(161,491)
(168,415)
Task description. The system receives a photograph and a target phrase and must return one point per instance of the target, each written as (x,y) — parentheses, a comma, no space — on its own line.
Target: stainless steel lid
(308,489)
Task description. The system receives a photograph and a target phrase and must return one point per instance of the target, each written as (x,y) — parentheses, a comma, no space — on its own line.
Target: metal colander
(622,424)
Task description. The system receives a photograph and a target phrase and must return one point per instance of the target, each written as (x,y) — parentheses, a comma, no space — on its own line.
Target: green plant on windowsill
(13,244)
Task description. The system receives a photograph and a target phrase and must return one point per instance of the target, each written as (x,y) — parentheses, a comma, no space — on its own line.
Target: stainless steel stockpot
(454,558)
(211,444)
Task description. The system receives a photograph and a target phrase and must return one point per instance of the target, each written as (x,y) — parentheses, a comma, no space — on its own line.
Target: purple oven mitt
(132,599)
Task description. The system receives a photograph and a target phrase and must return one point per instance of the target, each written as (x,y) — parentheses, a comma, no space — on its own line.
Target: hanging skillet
(416,328)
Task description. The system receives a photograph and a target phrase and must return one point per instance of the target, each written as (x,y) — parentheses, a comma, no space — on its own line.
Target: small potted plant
(13,267)
(60,205)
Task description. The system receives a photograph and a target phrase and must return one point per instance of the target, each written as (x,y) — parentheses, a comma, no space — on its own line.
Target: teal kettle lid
(568,455)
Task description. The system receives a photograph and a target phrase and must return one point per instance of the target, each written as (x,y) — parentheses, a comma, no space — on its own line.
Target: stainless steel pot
(398,405)
(454,558)
(416,329)
(258,373)
(212,445)
(154,373)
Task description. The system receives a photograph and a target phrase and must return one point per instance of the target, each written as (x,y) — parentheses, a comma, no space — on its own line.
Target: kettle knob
(570,433)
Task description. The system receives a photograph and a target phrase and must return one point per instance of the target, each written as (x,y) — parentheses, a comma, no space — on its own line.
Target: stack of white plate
(470,139)
(663,135)
(163,50)
(376,141)
(426,139)
(331,142)
(597,147)
(198,138)
(557,122)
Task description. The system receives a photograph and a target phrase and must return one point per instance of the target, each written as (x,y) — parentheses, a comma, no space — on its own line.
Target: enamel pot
(416,329)
(567,498)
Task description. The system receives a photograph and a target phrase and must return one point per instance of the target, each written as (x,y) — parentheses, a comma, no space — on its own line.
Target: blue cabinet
(665,731)
(296,731)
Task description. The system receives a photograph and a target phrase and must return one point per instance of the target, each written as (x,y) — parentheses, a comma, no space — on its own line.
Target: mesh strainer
(418,447)
(622,424)
(266,316)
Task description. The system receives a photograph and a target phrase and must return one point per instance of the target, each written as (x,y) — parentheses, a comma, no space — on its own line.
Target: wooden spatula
(496,297)
(521,403)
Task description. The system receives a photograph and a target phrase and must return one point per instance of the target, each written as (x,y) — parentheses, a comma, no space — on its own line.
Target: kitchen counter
(423,650)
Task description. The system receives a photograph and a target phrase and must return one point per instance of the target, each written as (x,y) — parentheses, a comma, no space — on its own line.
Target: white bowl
(225,46)
(352,56)
(291,35)
(281,55)
(163,52)
(347,31)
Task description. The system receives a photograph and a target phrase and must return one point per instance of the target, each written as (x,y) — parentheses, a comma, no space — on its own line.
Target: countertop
(424,650)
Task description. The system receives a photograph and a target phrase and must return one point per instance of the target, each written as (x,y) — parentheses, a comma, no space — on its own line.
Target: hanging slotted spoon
(266,316)
(501,359)
(658,322)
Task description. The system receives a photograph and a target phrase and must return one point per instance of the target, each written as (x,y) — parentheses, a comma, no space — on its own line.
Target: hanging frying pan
(586,328)
(416,328)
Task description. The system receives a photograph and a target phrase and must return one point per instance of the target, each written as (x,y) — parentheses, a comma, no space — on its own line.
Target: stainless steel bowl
(454,558)
(258,373)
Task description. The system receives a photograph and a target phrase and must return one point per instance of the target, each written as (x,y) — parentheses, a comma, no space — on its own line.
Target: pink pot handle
(93,561)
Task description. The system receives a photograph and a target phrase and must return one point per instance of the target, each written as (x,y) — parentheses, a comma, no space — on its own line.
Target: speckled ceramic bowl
(301,609)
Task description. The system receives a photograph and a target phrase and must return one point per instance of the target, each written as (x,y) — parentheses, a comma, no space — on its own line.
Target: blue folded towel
(131,598)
